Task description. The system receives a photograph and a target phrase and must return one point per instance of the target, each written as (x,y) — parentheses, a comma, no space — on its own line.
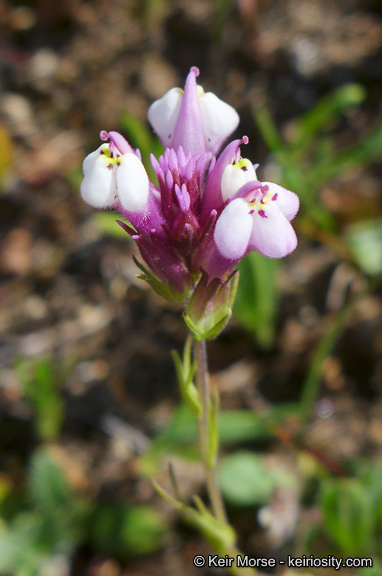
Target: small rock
(18,114)
(16,255)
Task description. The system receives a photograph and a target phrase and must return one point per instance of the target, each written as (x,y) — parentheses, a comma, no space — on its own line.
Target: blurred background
(89,407)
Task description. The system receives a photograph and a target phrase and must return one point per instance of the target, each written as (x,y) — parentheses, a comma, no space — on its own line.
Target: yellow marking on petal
(107,158)
(259,204)
(105,149)
(243,164)
(200,91)
(267,198)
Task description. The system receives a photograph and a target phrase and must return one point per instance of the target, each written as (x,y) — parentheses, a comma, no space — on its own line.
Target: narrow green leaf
(185,373)
(268,128)
(325,111)
(137,132)
(349,515)
(106,222)
(141,136)
(257,297)
(357,155)
(313,378)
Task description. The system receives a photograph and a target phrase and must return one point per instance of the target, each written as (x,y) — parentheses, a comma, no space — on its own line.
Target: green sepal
(202,331)
(210,306)
(167,291)
(185,372)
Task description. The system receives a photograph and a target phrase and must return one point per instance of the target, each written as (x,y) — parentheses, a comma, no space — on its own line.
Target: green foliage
(141,136)
(349,516)
(376,570)
(352,513)
(309,158)
(234,426)
(52,497)
(124,531)
(52,521)
(185,371)
(371,477)
(41,384)
(48,528)
(325,112)
(106,222)
(257,297)
(180,434)
(306,162)
(245,481)
(322,352)
(365,243)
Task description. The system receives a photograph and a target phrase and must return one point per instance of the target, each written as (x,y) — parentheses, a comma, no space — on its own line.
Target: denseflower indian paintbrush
(207,211)
(192,229)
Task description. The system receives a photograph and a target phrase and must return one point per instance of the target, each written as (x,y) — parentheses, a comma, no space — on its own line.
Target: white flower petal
(288,202)
(98,186)
(272,234)
(132,183)
(234,177)
(219,120)
(90,159)
(233,230)
(163,115)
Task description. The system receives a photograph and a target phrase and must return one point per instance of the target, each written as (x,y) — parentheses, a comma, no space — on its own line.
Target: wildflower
(198,121)
(257,216)
(205,213)
(114,175)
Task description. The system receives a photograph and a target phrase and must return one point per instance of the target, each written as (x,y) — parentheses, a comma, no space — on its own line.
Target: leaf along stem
(202,382)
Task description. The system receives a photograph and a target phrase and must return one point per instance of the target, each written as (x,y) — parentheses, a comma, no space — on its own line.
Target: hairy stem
(217,504)
(202,382)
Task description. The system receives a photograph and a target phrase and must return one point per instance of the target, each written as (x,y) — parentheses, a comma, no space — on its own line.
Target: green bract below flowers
(207,211)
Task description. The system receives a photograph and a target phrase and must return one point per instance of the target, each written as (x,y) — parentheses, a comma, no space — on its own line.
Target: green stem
(217,504)
(202,382)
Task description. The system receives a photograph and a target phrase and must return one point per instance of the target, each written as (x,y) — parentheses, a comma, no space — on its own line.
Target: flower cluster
(207,211)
